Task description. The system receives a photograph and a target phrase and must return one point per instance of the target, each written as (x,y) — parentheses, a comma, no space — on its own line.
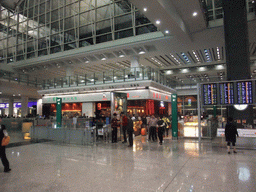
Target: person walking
(161,128)
(230,134)
(130,131)
(114,125)
(124,125)
(3,133)
(152,128)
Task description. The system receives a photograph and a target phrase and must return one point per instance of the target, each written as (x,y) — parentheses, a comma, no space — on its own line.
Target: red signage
(166,97)
(99,106)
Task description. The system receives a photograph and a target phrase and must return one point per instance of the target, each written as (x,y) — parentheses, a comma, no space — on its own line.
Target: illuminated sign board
(244,92)
(226,93)
(210,94)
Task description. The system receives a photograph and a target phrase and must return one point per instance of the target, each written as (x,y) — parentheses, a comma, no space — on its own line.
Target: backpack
(5,141)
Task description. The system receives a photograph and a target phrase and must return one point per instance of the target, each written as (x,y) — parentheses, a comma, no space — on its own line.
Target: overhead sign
(16,105)
(229,93)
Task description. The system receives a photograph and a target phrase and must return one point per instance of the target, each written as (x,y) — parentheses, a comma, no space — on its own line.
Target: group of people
(154,125)
(158,125)
(127,128)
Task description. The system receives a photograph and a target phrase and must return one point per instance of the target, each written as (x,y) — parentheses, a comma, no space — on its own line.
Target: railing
(71,136)
(112,76)
(80,132)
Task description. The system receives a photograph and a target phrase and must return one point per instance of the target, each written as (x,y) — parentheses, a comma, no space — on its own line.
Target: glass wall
(42,27)
(215,11)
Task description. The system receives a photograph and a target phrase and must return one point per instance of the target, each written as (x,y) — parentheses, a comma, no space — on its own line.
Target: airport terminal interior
(69,67)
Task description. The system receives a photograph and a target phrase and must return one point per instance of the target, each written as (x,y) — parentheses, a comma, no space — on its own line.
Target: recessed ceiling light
(142,52)
(103,59)
(158,22)
(195,14)
(87,61)
(167,32)
(145,9)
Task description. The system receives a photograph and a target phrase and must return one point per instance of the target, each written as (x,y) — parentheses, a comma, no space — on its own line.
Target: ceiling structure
(191,52)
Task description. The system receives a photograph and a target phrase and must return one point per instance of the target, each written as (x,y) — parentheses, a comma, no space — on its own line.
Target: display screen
(244,92)
(226,93)
(210,94)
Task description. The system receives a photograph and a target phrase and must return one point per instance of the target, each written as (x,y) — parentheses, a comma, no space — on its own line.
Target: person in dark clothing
(114,125)
(144,121)
(130,131)
(3,133)
(230,134)
(161,129)
(124,125)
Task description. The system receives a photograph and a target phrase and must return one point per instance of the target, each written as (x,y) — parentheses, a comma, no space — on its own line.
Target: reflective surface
(181,165)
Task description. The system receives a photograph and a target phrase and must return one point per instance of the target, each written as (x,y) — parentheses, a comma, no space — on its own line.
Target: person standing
(230,134)
(124,125)
(114,125)
(130,131)
(152,128)
(3,133)
(167,124)
(161,128)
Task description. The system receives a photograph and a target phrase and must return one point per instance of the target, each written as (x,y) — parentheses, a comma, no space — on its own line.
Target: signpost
(174,117)
(58,112)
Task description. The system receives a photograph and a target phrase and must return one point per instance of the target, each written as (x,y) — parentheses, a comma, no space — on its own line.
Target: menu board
(226,93)
(244,92)
(210,94)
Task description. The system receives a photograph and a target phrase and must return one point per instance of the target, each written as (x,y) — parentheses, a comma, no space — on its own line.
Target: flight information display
(226,93)
(244,92)
(210,94)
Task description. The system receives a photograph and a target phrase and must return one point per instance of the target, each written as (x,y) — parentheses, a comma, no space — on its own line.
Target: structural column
(11,106)
(24,106)
(135,65)
(39,107)
(69,74)
(237,49)
(236,39)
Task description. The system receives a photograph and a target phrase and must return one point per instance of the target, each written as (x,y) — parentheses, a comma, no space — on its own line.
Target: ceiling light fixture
(175,59)
(158,22)
(195,14)
(145,9)
(141,51)
(167,32)
(185,57)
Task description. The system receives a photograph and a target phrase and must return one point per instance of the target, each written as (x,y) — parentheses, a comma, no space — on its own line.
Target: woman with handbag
(4,134)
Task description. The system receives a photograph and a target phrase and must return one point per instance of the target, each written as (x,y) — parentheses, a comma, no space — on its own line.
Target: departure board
(244,92)
(226,93)
(210,94)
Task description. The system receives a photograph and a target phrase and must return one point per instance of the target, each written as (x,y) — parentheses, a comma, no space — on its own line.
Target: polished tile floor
(183,165)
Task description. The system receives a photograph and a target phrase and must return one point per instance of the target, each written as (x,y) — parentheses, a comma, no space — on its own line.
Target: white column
(70,74)
(135,66)
(39,107)
(88,109)
(11,106)
(135,61)
(24,106)
(70,71)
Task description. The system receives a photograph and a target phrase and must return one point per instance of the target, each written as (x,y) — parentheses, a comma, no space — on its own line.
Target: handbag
(6,141)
